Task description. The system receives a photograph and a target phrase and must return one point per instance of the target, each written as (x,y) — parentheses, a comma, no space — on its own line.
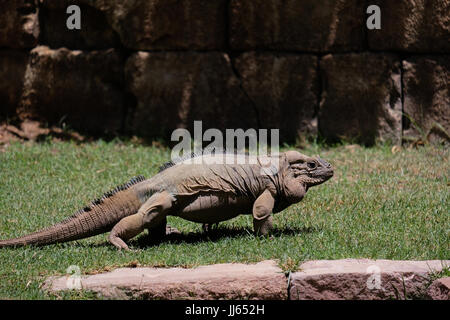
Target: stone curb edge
(345,279)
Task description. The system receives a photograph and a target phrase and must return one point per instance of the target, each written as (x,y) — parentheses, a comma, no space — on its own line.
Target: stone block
(173,89)
(263,280)
(304,25)
(81,89)
(361,98)
(426,97)
(362,279)
(412,26)
(284,90)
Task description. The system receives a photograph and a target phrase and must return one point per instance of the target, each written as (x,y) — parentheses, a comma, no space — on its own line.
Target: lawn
(382,203)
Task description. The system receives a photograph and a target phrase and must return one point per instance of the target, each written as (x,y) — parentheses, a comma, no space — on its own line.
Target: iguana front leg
(151,214)
(262,213)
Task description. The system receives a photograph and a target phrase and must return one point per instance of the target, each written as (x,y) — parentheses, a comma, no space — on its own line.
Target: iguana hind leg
(150,215)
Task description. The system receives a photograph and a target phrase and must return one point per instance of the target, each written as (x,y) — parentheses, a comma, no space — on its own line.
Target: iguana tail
(98,217)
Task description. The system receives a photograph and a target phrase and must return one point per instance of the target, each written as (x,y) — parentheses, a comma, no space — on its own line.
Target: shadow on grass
(215,234)
(146,240)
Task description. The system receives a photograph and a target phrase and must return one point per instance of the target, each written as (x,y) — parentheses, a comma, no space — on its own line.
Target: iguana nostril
(324,163)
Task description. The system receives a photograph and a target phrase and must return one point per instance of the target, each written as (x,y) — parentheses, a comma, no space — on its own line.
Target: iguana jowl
(202,192)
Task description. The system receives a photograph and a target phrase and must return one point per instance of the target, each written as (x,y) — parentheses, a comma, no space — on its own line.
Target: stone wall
(310,68)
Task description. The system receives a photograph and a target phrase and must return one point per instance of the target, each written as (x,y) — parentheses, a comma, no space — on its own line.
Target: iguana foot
(172,231)
(207,227)
(118,243)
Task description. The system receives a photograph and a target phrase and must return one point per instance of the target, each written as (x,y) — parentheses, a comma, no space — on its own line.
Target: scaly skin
(202,192)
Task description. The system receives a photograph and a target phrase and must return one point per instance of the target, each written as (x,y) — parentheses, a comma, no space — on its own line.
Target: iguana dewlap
(196,189)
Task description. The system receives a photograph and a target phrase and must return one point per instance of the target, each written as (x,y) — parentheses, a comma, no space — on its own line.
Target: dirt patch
(30,130)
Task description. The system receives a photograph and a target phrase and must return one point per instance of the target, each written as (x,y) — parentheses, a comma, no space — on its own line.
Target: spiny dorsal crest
(173,162)
(109,194)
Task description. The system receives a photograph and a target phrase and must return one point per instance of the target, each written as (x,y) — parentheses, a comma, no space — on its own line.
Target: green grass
(379,204)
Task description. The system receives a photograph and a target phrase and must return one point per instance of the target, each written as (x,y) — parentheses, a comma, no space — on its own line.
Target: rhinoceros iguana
(196,189)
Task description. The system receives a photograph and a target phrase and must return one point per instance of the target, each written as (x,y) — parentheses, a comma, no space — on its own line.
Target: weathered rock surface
(361,98)
(13,64)
(362,279)
(19,23)
(153,24)
(95,33)
(426,95)
(413,26)
(297,25)
(271,81)
(173,89)
(81,89)
(440,289)
(263,280)
(284,90)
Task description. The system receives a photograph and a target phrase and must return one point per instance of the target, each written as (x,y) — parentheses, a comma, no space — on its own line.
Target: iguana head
(298,173)
(309,171)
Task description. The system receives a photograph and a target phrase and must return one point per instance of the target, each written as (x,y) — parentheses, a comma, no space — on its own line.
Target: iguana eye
(311,165)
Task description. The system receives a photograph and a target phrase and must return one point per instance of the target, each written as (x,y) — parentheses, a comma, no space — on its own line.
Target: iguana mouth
(315,181)
(319,176)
